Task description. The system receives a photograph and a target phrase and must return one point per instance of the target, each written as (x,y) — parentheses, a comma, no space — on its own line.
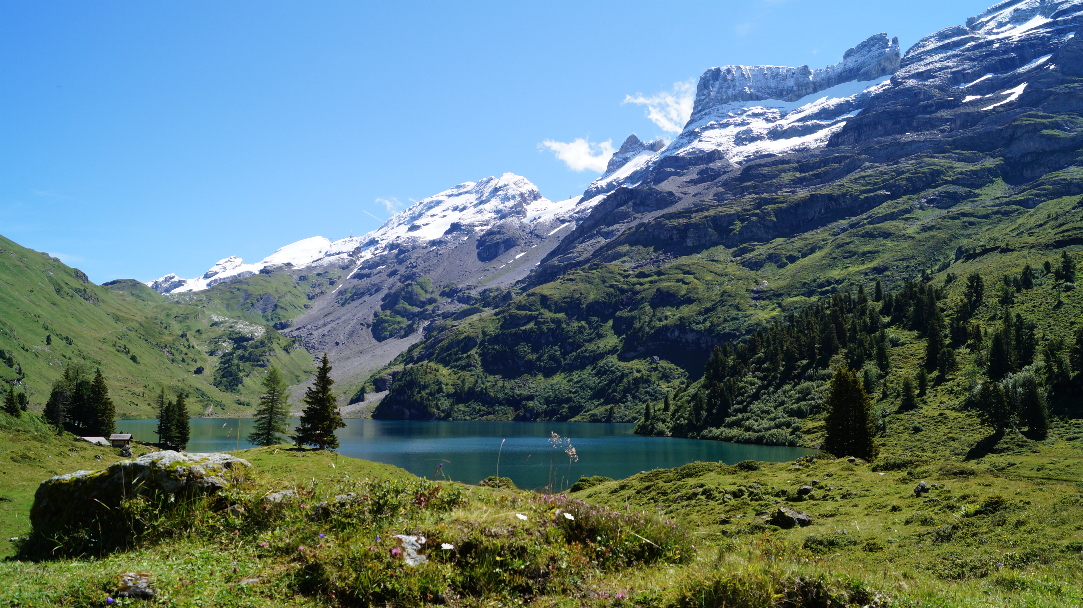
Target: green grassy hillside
(54,316)
(1001,530)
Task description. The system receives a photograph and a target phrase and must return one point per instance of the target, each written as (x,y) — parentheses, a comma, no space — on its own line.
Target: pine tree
(320,418)
(167,432)
(11,404)
(999,357)
(974,294)
(1066,272)
(181,429)
(56,408)
(101,413)
(906,395)
(273,410)
(1033,411)
(934,344)
(991,405)
(878,292)
(849,422)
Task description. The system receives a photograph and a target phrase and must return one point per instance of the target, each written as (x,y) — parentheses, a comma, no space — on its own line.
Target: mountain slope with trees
(931,182)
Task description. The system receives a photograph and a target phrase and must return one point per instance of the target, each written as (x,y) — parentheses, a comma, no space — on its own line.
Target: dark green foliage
(166,423)
(760,390)
(1019,398)
(80,404)
(850,424)
(1076,356)
(173,425)
(989,402)
(11,403)
(182,431)
(403,309)
(246,355)
(273,410)
(585,482)
(999,357)
(1067,270)
(973,296)
(320,417)
(1031,403)
(907,399)
(101,414)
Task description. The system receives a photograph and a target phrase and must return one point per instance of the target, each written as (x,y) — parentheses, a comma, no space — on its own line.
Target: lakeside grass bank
(1003,530)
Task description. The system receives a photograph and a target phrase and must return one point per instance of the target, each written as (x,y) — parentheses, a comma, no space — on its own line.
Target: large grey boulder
(77,498)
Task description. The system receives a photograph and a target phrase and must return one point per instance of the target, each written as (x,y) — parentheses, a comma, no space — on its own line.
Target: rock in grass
(784,517)
(137,585)
(76,499)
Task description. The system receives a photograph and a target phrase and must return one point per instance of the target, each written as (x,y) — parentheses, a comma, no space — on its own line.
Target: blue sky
(141,138)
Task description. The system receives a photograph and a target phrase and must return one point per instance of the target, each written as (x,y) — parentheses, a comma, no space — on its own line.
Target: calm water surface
(469,450)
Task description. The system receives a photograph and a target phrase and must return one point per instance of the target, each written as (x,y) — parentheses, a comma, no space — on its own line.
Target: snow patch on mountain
(458,212)
(743,112)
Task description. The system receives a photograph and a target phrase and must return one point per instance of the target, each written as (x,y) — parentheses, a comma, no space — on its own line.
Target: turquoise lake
(469,450)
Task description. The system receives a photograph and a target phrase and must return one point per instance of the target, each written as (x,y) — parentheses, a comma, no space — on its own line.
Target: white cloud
(580,154)
(669,110)
(67,258)
(391,204)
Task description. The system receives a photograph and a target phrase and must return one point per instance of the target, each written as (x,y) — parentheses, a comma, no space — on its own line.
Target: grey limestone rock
(76,498)
(784,517)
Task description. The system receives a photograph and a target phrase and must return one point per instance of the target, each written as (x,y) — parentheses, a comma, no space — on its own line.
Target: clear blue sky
(141,138)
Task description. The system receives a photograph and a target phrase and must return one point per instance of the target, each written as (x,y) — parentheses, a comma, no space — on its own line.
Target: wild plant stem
(498,457)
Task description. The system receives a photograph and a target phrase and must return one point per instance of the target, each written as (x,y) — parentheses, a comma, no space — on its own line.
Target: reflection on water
(469,450)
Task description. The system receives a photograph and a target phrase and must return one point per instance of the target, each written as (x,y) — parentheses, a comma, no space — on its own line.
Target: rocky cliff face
(875,57)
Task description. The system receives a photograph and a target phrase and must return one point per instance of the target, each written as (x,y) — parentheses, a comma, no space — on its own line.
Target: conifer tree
(991,405)
(849,422)
(181,429)
(166,425)
(11,404)
(934,344)
(974,294)
(1033,411)
(273,410)
(56,408)
(999,357)
(907,400)
(320,418)
(101,413)
(878,292)
(1066,272)
(68,407)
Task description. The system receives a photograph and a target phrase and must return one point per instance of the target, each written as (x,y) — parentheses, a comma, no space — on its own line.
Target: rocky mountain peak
(631,148)
(225,265)
(876,56)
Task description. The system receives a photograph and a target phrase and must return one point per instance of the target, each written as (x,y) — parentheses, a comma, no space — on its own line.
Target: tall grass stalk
(501,449)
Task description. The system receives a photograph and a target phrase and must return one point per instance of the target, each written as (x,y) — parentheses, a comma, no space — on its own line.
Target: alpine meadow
(874,263)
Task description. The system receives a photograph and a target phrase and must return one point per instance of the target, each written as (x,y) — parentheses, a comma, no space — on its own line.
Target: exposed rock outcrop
(75,499)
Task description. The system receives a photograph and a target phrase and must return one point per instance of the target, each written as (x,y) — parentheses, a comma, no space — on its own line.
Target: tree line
(776,365)
(81,404)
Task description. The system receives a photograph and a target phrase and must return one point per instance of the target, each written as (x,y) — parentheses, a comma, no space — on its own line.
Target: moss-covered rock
(76,499)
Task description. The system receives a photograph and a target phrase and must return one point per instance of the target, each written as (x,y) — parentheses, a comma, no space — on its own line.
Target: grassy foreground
(1005,530)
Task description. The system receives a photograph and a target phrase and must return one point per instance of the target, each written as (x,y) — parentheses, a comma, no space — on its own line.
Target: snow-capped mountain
(457,213)
(743,112)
